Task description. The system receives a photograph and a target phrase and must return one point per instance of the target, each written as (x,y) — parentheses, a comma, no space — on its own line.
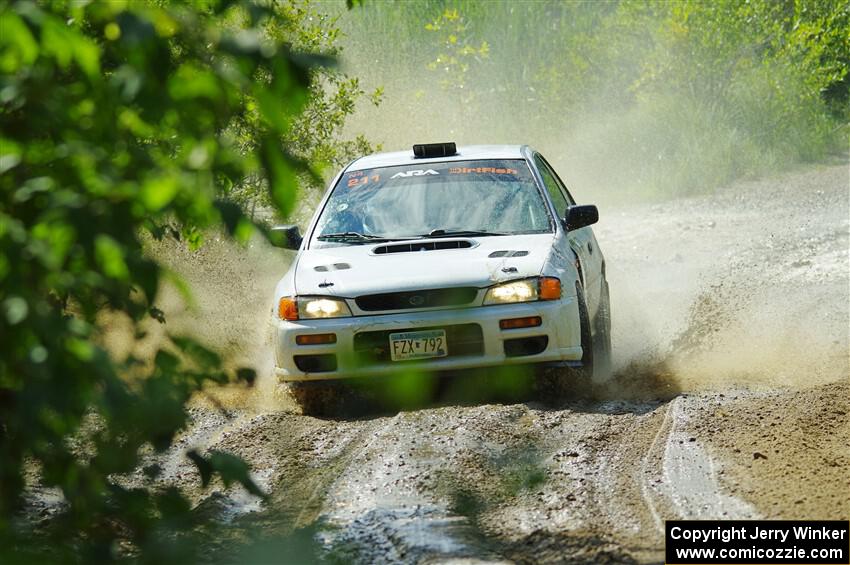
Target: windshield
(474,198)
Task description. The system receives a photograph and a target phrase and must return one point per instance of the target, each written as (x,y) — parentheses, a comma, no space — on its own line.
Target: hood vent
(508,254)
(334,267)
(422,246)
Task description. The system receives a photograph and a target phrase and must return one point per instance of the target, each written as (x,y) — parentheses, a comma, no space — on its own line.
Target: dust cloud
(226,303)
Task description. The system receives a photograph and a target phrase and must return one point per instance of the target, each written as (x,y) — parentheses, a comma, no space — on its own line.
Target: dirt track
(731,400)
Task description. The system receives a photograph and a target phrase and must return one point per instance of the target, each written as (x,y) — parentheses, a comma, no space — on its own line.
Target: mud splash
(741,289)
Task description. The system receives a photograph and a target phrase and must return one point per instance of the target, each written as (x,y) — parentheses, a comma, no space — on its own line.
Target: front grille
(432,298)
(463,340)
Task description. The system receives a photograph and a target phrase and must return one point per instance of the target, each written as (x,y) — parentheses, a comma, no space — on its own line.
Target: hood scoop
(422,246)
(508,254)
(334,267)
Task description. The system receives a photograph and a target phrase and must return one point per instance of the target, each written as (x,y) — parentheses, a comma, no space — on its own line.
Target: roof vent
(429,150)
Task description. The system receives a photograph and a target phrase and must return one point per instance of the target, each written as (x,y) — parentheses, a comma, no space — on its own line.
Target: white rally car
(441,259)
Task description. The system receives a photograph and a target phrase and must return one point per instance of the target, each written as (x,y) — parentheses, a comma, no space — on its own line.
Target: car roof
(469,152)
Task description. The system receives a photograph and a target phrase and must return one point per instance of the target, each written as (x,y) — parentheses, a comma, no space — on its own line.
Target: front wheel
(557,383)
(585,372)
(315,398)
(602,335)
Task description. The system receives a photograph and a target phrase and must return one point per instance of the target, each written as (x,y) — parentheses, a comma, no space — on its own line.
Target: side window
(552,186)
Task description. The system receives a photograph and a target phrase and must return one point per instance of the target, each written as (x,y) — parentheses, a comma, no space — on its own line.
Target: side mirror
(286,237)
(581,216)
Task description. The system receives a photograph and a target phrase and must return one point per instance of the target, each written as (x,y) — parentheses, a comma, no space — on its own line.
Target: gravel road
(730,400)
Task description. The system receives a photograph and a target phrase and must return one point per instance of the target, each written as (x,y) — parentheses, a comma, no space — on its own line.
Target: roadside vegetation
(629,99)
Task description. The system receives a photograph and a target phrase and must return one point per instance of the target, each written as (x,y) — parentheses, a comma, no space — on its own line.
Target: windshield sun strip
(339,177)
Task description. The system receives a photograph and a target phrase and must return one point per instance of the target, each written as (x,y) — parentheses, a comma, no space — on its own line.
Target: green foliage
(724,89)
(314,132)
(626,97)
(457,52)
(119,118)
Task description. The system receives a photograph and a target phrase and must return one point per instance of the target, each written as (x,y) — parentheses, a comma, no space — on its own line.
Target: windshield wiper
(355,237)
(460,233)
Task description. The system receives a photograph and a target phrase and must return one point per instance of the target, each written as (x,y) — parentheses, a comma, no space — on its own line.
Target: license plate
(418,345)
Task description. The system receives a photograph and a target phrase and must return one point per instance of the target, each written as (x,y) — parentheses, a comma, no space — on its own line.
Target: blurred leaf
(281,174)
(231,214)
(135,29)
(146,275)
(157,315)
(247,42)
(152,471)
(246,374)
(180,285)
(191,81)
(15,309)
(259,12)
(272,109)
(205,358)
(110,257)
(19,48)
(309,61)
(67,44)
(171,504)
(167,363)
(204,467)
(158,192)
(232,469)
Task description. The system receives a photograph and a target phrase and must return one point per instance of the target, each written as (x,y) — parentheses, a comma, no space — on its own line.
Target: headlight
(514,291)
(526,290)
(322,307)
(311,307)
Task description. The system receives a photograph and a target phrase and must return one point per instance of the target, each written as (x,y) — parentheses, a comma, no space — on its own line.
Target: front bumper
(560,325)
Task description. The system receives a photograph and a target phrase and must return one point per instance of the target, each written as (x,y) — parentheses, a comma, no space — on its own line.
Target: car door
(581,241)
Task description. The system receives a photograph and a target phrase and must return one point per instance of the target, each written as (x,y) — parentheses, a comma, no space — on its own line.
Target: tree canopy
(121,119)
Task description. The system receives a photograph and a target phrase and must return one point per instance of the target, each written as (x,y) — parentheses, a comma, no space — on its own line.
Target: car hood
(353,270)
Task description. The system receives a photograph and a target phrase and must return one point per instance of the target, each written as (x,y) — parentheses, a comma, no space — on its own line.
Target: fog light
(514,323)
(315,339)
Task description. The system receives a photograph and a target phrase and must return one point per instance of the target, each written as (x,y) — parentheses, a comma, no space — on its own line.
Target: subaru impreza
(441,259)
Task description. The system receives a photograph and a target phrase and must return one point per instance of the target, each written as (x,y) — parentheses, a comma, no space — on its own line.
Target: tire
(315,398)
(554,384)
(602,335)
(585,372)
